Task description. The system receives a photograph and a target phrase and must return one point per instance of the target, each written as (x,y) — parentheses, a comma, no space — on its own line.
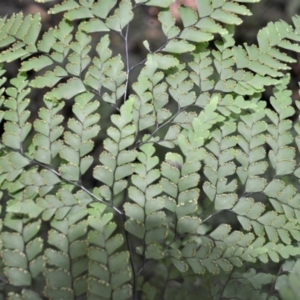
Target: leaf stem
(159,127)
(80,186)
(274,282)
(226,283)
(130,258)
(211,215)
(127,61)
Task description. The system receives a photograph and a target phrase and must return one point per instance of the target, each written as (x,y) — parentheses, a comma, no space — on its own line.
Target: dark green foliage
(216,215)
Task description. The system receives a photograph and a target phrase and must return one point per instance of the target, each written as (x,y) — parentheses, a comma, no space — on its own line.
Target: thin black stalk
(226,283)
(35,162)
(127,61)
(159,127)
(274,282)
(211,215)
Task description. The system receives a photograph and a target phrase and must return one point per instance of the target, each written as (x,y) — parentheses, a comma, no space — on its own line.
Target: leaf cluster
(191,145)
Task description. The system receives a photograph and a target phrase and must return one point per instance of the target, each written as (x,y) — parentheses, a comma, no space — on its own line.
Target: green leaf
(34,248)
(103,174)
(85,164)
(17,160)
(12,241)
(78,13)
(180,265)
(136,228)
(154,204)
(204,7)
(121,277)
(18,276)
(220,232)
(273,188)
(186,208)
(47,41)
(164,62)
(30,230)
(137,196)
(15,259)
(69,172)
(114,243)
(36,63)
(69,154)
(188,225)
(194,35)
(77,230)
(122,16)
(226,17)
(196,265)
(11,140)
(245,222)
(93,25)
(156,219)
(134,211)
(12,54)
(146,122)
(284,167)
(101,9)
(163,115)
(33,33)
(56,293)
(211,266)
(170,171)
(156,234)
(172,132)
(118,261)
(122,293)
(57,258)
(188,16)
(28,207)
(58,240)
(210,190)
(236,8)
(210,25)
(255,184)
(65,6)
(123,171)
(178,46)
(58,278)
(27,294)
(225,201)
(188,182)
(67,90)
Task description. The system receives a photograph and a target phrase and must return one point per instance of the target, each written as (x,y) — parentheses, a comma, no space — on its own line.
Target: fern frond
(20,34)
(59,240)
(109,271)
(116,159)
(146,218)
(17,128)
(22,247)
